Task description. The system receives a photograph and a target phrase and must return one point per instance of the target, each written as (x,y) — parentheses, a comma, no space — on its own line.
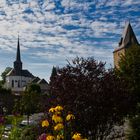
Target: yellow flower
(58,113)
(45,123)
(58,108)
(70,117)
(51,110)
(57,119)
(59,126)
(77,136)
(50,137)
(60,137)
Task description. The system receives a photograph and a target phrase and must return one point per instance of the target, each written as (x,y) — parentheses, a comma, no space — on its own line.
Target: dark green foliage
(31,132)
(3,75)
(34,88)
(130,72)
(130,69)
(30,100)
(54,73)
(134,133)
(96,96)
(17,106)
(6,100)
(28,134)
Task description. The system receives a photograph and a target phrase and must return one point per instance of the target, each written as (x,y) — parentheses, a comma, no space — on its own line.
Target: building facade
(127,40)
(18,78)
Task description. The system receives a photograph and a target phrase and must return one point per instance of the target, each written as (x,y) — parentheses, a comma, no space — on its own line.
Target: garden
(85,101)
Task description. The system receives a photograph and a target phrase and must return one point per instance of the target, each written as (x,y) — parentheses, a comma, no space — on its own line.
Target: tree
(95,95)
(6,100)
(30,100)
(3,75)
(130,71)
(54,73)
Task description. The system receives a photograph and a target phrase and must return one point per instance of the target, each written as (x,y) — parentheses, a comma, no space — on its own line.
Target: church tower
(17,79)
(127,40)
(18,63)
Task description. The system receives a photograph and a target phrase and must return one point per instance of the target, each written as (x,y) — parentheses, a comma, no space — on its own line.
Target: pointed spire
(18,51)
(18,63)
(128,38)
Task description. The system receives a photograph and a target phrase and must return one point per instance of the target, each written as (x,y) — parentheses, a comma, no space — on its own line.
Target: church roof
(128,37)
(24,73)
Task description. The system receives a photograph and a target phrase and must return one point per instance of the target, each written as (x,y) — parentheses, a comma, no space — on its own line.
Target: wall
(18,82)
(117,56)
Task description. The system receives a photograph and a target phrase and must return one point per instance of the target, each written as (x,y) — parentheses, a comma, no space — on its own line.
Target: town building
(127,40)
(18,78)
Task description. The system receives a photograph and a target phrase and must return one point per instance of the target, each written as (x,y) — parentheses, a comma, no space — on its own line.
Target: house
(44,86)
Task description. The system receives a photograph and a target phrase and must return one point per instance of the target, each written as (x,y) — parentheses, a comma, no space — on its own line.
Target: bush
(95,95)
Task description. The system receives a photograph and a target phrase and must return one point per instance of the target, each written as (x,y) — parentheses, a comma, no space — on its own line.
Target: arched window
(12,83)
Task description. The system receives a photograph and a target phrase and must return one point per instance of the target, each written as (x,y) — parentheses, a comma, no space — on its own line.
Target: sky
(54,31)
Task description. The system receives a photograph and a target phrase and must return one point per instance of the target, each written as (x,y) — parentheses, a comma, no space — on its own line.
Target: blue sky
(53,31)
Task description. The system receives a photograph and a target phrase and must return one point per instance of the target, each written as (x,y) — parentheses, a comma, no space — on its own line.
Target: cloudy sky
(53,31)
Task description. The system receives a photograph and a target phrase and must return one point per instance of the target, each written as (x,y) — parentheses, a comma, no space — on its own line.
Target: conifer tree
(129,70)
(54,73)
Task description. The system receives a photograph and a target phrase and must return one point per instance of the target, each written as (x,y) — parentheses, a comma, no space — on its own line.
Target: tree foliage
(6,100)
(30,100)
(54,73)
(130,71)
(3,75)
(95,95)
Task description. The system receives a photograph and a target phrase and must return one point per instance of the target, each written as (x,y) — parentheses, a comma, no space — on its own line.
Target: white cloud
(43,36)
(101,28)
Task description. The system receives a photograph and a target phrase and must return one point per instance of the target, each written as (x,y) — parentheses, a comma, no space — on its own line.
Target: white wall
(19,82)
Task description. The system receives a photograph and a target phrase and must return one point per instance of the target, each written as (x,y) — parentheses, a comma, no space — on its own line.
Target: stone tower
(127,40)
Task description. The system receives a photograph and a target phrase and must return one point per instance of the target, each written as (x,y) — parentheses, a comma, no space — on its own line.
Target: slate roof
(25,73)
(35,80)
(42,81)
(128,38)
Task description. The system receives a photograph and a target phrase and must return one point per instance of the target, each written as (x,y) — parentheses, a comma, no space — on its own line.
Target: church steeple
(18,63)
(128,38)
(18,51)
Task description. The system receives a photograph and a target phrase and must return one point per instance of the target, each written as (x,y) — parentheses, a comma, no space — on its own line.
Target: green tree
(3,75)
(129,70)
(6,100)
(30,100)
(54,73)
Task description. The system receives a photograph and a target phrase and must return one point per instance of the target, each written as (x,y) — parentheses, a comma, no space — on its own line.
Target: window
(18,83)
(12,83)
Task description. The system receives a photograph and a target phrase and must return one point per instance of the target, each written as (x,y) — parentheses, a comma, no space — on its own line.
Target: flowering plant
(59,125)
